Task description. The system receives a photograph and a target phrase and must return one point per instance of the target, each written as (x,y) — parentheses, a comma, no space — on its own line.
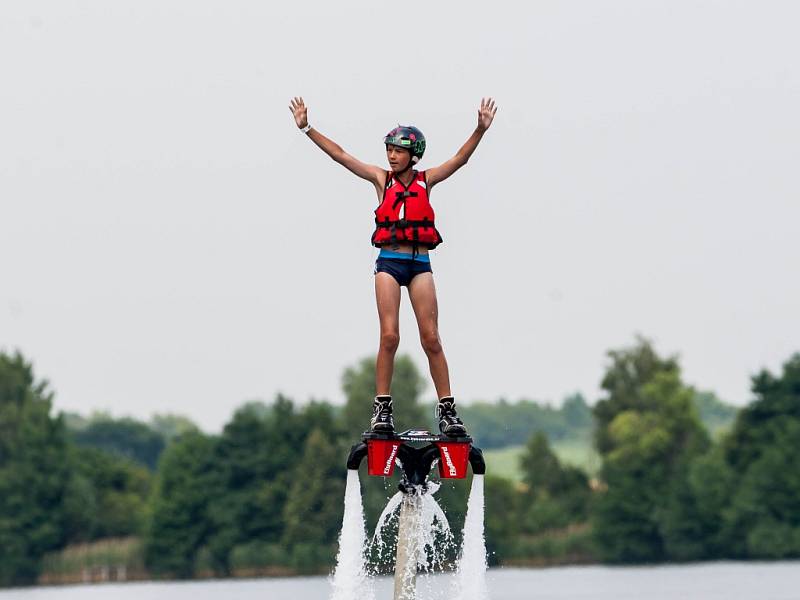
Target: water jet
(416,452)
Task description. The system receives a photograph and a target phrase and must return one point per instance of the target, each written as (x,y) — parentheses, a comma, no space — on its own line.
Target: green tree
(715,414)
(313,510)
(624,380)
(358,384)
(247,460)
(539,465)
(556,495)
(648,433)
(126,437)
(180,524)
(34,475)
(255,465)
(763,520)
(108,495)
(691,520)
(577,413)
(170,426)
(502,518)
(712,484)
(503,423)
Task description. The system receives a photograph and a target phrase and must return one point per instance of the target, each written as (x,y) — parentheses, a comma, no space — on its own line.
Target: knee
(431,343)
(390,340)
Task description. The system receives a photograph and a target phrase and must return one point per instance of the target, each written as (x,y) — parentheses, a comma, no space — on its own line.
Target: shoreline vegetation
(654,471)
(117,560)
(120,560)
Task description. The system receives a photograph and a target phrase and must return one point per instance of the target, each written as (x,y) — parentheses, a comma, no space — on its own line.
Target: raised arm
(485,115)
(371,173)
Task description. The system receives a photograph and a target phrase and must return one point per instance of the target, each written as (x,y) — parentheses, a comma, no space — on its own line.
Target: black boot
(449,423)
(382,421)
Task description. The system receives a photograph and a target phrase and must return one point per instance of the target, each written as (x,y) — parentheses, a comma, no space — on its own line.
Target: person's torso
(405,215)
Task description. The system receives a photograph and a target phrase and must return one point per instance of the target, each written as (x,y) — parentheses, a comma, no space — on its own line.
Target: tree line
(265,495)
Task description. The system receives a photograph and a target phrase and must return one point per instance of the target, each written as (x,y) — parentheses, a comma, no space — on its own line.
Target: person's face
(399,158)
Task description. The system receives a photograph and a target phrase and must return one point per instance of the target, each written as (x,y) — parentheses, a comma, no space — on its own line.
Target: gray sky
(171,242)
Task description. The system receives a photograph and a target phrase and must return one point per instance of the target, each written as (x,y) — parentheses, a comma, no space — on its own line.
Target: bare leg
(387,295)
(423,298)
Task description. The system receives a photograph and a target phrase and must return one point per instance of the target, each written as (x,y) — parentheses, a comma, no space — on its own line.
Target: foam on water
(471,570)
(350,579)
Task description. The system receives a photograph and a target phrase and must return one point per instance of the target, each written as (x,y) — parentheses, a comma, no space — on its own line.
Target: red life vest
(405,214)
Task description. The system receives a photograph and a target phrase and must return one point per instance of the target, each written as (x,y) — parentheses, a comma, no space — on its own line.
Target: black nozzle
(357,454)
(477,462)
(406,487)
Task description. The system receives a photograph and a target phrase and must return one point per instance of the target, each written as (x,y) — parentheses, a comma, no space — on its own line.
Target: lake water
(708,581)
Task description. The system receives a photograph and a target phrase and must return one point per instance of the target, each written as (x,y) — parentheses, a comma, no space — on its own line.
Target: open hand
(486,113)
(300,112)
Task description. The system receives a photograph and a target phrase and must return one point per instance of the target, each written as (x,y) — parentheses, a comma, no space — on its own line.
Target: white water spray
(471,571)
(424,542)
(433,533)
(350,579)
(430,530)
(385,519)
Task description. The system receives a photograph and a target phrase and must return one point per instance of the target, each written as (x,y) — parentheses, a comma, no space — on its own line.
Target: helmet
(408,137)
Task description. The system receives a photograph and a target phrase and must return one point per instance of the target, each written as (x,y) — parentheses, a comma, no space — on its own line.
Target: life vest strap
(401,197)
(402,224)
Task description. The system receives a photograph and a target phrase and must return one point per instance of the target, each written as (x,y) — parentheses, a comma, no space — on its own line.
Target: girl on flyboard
(405,231)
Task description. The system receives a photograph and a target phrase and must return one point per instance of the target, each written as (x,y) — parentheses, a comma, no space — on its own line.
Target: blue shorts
(403,267)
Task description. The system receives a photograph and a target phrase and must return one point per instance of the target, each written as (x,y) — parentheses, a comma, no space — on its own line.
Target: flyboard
(416,452)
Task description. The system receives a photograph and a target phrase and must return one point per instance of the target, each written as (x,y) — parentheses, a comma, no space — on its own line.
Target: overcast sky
(171,243)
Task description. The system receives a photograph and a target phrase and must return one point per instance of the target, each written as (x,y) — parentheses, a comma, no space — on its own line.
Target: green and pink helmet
(408,137)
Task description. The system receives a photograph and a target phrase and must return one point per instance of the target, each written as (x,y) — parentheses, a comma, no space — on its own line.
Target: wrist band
(305,129)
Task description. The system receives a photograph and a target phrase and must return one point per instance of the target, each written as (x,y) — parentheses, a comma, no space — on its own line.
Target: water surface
(707,581)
